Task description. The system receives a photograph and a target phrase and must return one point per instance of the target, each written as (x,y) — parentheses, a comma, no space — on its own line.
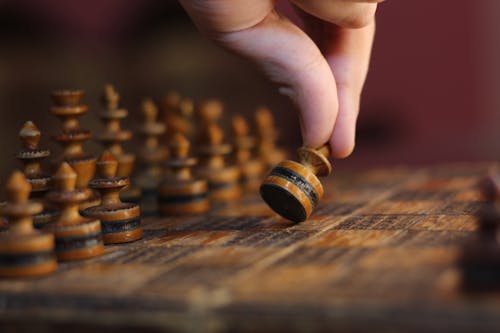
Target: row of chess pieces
(84,202)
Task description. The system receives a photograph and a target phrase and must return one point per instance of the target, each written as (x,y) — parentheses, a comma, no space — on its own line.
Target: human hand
(321,67)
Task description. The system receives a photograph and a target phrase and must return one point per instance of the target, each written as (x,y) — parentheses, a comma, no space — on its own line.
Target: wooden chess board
(380,252)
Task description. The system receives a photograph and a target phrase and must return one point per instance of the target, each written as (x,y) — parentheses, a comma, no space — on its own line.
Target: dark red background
(431,94)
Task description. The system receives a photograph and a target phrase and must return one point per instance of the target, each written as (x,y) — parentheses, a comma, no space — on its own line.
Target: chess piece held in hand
(24,251)
(120,221)
(292,189)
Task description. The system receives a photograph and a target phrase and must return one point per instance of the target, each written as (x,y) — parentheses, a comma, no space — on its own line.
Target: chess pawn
(151,157)
(490,186)
(77,237)
(120,222)
(267,136)
(24,251)
(223,180)
(113,139)
(180,193)
(293,189)
(210,112)
(251,169)
(67,107)
(180,119)
(4,226)
(480,257)
(31,156)
(169,106)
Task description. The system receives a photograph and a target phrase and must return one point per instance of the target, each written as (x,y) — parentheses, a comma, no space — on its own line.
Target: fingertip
(342,149)
(343,137)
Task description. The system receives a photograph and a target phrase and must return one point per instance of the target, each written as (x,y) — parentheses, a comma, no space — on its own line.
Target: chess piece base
(119,224)
(29,255)
(292,191)
(183,198)
(79,241)
(223,184)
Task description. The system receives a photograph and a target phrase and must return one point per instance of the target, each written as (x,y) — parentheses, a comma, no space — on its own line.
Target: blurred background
(431,94)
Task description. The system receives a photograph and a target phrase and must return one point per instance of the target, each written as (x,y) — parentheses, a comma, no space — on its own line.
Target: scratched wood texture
(379,253)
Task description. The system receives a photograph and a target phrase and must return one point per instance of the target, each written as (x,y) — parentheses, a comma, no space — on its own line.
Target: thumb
(286,55)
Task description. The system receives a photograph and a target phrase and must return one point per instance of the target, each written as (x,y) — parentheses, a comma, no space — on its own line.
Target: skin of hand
(321,66)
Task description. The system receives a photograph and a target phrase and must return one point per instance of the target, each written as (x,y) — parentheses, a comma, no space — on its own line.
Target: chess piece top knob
(30,135)
(17,191)
(211,110)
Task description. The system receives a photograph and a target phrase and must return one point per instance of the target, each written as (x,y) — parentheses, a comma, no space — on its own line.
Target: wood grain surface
(379,253)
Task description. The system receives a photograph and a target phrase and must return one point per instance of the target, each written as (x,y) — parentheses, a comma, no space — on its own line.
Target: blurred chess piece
(114,137)
(267,135)
(68,107)
(151,157)
(76,237)
(180,193)
(177,115)
(223,179)
(480,258)
(293,189)
(251,169)
(31,156)
(24,251)
(120,222)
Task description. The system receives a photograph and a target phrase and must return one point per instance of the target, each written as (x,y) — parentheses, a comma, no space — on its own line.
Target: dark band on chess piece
(293,189)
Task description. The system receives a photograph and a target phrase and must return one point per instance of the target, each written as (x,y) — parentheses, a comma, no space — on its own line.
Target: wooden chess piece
(293,189)
(120,221)
(24,251)
(180,120)
(177,113)
(490,186)
(180,193)
(267,136)
(31,156)
(77,237)
(169,105)
(480,257)
(251,169)
(209,113)
(68,107)
(151,157)
(113,139)
(4,226)
(223,180)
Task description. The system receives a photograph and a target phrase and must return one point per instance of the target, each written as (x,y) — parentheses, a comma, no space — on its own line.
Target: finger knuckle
(359,18)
